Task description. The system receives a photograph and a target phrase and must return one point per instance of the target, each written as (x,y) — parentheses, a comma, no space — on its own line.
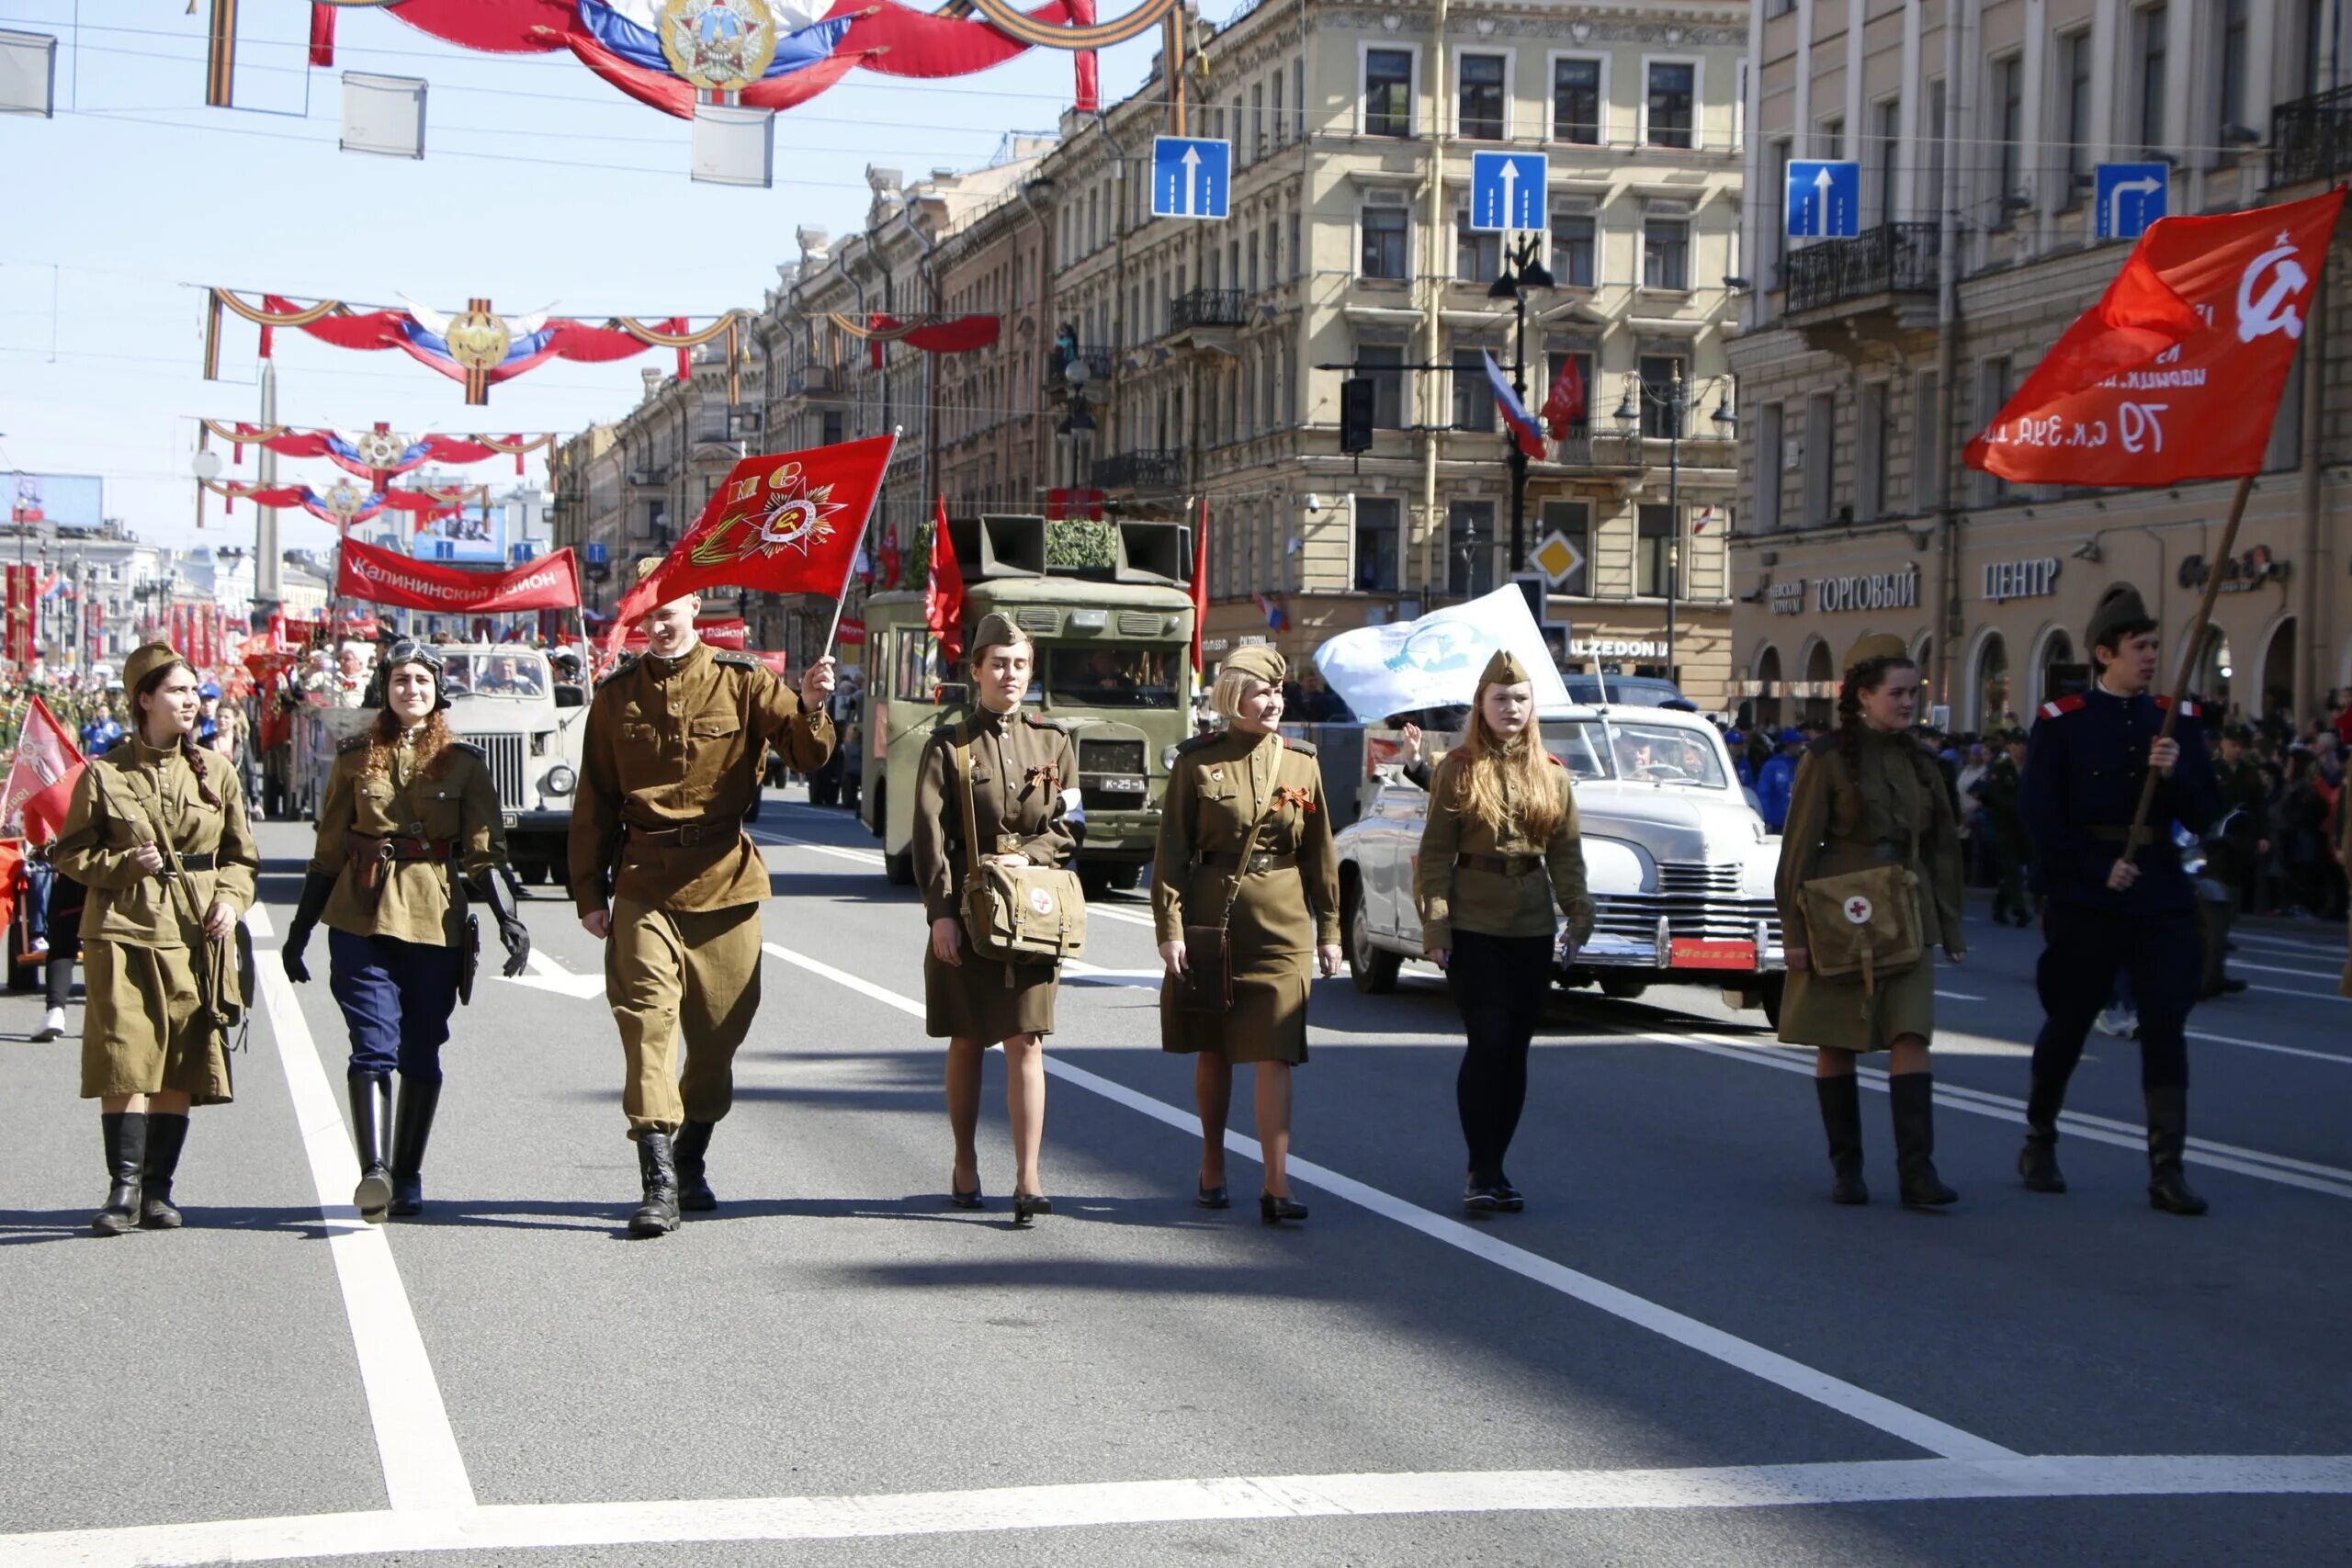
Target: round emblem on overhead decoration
(1041,901)
(479,339)
(1857,911)
(380,448)
(344,499)
(723,46)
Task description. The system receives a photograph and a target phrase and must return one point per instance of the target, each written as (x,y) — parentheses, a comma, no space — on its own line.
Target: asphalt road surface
(1681,1353)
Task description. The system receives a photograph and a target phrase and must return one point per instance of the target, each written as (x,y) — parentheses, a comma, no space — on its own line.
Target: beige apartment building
(1867,364)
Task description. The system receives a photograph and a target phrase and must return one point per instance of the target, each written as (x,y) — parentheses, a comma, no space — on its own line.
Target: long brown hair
(431,746)
(1487,760)
(1867,676)
(148,686)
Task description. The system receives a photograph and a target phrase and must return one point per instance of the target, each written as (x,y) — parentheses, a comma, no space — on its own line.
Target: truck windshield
(495,675)
(1111,675)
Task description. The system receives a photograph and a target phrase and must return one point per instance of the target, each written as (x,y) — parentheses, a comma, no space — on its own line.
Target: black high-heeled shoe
(1274,1211)
(1028,1206)
(964,1199)
(1215,1197)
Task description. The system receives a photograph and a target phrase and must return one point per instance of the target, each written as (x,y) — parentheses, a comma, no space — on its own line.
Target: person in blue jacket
(2116,902)
(1778,775)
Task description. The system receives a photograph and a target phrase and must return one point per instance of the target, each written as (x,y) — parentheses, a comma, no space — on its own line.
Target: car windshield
(1621,691)
(496,675)
(1663,754)
(1110,675)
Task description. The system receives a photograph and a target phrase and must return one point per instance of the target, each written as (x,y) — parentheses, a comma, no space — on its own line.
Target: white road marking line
(546,974)
(2328,1179)
(2299,995)
(1959,996)
(2329,976)
(422,1468)
(257,922)
(1224,1500)
(2285,945)
(1096,909)
(2265,1045)
(1847,1398)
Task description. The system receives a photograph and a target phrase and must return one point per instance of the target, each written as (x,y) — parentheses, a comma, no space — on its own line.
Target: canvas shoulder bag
(1866,922)
(1024,914)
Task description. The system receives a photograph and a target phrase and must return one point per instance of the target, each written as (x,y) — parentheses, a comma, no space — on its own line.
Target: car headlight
(559,780)
(1168,758)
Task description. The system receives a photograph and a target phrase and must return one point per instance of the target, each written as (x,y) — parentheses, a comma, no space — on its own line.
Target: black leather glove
(318,887)
(511,932)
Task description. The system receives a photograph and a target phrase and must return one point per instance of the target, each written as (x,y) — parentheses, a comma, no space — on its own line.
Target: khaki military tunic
(142,933)
(1517,901)
(1288,897)
(670,764)
(417,902)
(1020,766)
(1837,824)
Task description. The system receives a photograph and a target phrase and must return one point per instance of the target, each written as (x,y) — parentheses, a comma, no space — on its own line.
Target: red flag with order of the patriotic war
(943,597)
(1565,405)
(2176,373)
(787,522)
(40,781)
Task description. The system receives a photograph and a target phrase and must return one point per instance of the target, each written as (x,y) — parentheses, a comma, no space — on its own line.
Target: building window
(1832,138)
(1558,361)
(2314,45)
(1820,455)
(1992,392)
(1379,532)
(1474,399)
(1771,464)
(1258,121)
(1387,92)
(1938,139)
(1671,91)
(1282,127)
(1470,549)
(1481,96)
(1665,253)
(2286,449)
(1573,245)
(1776,237)
(1478,257)
(2009,97)
(1885,146)
(1572,520)
(1927,440)
(1385,249)
(2230,95)
(835,427)
(2075,104)
(1576,101)
(1869,451)
(1384,362)
(1654,537)
(2151,59)
(1658,373)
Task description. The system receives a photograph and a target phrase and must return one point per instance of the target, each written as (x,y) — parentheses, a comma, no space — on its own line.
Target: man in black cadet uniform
(2112,904)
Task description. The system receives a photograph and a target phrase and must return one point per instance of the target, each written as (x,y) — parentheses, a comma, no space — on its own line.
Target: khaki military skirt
(1271,977)
(973,1000)
(139,1032)
(1834,1012)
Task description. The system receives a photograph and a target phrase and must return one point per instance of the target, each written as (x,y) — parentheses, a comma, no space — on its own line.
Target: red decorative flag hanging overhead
(379,454)
(787,522)
(943,596)
(386,577)
(40,781)
(2176,373)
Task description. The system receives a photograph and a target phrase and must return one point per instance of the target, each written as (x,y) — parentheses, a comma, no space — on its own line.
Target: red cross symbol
(1858,911)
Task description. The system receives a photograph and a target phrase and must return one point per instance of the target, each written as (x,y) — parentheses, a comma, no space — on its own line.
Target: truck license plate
(1691,952)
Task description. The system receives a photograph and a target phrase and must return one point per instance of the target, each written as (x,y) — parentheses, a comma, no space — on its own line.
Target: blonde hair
(1486,760)
(1231,686)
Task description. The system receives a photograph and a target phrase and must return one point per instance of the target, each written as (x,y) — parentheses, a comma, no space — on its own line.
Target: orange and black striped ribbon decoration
(478,375)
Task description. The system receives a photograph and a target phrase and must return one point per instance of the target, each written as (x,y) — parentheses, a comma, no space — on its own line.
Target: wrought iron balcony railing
(1894,258)
(2311,139)
(1139,471)
(1208,308)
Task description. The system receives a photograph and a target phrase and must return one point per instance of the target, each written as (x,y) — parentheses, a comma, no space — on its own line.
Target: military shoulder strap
(627,662)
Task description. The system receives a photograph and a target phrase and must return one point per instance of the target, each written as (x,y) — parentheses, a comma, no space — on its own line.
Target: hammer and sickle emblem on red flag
(2275,311)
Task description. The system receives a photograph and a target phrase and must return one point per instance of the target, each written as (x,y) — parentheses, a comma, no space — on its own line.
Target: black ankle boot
(690,1146)
(412,1130)
(2167,1140)
(1841,1118)
(167,1135)
(1915,1141)
(126,1138)
(371,1120)
(2038,1161)
(656,1166)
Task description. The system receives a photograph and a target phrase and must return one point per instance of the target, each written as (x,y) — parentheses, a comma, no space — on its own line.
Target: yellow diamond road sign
(1558,559)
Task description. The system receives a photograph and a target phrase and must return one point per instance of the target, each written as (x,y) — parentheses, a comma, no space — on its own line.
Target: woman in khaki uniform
(157,833)
(408,813)
(1867,795)
(1499,850)
(1020,766)
(1285,911)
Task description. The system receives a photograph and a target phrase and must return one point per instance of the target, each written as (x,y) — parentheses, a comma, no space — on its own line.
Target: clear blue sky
(542,188)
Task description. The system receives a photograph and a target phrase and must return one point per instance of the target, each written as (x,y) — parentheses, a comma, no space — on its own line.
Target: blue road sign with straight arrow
(1192,177)
(1824,200)
(1507,191)
(2131,197)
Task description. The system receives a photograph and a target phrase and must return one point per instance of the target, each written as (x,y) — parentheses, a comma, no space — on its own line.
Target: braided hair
(147,688)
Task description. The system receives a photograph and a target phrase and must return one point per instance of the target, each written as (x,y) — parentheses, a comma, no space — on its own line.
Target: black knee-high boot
(657,1214)
(1841,1118)
(167,1135)
(412,1130)
(1915,1141)
(126,1138)
(371,1121)
(2168,1141)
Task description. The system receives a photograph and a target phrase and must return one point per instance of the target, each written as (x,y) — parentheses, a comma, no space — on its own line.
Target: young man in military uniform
(2000,791)
(2114,903)
(670,764)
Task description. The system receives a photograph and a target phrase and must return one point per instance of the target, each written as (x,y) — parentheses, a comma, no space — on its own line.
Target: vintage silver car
(1677,861)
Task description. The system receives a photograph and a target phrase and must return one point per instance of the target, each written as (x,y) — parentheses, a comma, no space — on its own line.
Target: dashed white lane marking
(423,1469)
(1959,996)
(1236,1499)
(1847,1398)
(546,974)
(2329,976)
(2341,1061)
(1096,909)
(2326,1179)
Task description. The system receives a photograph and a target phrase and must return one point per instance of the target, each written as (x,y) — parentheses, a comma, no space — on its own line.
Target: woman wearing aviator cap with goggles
(411,818)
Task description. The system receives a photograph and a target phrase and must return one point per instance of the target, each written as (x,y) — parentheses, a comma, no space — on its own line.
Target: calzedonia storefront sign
(1878,590)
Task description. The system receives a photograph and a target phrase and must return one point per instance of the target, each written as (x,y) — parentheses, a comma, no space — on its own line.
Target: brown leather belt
(1259,862)
(365,846)
(686,835)
(202,862)
(1502,865)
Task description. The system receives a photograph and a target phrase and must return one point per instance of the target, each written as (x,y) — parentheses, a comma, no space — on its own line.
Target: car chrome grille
(1697,901)
(504,754)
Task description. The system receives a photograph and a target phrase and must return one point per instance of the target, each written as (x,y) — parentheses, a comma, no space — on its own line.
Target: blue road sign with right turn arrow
(2131,197)
(1192,177)
(1824,200)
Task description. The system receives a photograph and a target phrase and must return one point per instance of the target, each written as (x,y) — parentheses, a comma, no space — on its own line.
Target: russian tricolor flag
(1523,427)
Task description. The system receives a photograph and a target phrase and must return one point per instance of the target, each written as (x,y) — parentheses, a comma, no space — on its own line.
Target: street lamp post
(1676,403)
(1522,269)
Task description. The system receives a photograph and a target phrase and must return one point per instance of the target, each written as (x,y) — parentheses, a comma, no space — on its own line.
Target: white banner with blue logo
(1434,661)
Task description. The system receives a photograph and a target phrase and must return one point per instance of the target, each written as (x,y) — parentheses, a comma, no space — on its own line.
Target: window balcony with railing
(1096,358)
(1894,258)
(2311,139)
(1140,470)
(1208,308)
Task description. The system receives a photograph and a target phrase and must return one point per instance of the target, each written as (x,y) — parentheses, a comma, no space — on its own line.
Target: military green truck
(1114,641)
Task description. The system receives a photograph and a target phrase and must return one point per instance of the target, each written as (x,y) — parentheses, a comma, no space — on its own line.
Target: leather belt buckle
(1259,862)
(384,851)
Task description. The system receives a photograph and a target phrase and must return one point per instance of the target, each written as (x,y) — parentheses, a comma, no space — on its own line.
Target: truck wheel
(899,870)
(1123,877)
(1371,969)
(1624,987)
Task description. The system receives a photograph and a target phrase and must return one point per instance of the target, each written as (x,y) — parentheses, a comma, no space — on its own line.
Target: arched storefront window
(1821,676)
(2278,686)
(1768,681)
(2214,671)
(1988,685)
(2057,648)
